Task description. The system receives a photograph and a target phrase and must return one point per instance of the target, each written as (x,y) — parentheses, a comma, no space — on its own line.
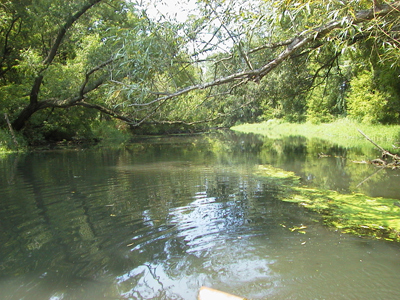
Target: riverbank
(342,132)
(351,212)
(105,133)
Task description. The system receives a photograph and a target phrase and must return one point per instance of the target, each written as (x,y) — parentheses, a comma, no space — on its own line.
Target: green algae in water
(351,213)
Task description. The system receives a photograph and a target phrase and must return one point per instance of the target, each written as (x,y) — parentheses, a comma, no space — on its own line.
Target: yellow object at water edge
(207,293)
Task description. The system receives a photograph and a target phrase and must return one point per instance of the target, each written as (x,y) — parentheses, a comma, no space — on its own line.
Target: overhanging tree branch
(6,51)
(63,30)
(83,89)
(105,110)
(34,104)
(288,48)
(292,45)
(53,51)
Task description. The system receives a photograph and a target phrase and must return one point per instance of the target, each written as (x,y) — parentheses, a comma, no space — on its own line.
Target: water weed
(354,213)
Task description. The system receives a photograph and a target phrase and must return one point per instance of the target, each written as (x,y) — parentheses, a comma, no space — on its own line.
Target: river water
(159,218)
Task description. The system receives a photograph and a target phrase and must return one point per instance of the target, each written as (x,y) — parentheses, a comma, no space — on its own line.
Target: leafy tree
(96,54)
(44,69)
(327,97)
(60,58)
(365,102)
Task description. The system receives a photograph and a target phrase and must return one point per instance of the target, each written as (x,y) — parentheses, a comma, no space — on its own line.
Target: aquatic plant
(354,213)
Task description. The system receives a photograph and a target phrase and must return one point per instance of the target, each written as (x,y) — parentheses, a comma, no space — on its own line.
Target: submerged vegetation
(355,213)
(347,211)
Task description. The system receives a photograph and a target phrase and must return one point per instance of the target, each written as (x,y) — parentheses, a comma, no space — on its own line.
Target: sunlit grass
(342,132)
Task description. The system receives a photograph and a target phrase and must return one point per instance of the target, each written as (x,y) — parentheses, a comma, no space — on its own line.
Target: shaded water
(157,219)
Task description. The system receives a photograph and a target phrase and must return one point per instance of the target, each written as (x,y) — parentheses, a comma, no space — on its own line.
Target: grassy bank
(342,132)
(354,213)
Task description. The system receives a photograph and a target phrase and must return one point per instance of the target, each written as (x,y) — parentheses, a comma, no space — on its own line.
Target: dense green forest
(82,69)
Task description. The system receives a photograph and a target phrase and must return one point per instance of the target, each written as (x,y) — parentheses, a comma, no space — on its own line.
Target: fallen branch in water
(395,163)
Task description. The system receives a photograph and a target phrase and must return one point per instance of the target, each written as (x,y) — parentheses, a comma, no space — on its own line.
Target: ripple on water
(136,234)
(248,253)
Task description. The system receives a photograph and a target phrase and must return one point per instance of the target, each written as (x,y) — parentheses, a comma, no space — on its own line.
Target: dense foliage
(69,68)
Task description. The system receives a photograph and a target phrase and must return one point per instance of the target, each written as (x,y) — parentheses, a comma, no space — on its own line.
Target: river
(160,217)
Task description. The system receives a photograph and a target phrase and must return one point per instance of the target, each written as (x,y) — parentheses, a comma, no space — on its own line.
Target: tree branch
(5,46)
(53,51)
(63,30)
(105,110)
(292,45)
(83,91)
(180,122)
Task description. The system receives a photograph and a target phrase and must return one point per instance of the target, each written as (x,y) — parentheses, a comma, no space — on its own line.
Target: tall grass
(343,132)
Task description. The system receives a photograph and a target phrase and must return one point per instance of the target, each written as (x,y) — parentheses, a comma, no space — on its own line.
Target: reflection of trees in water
(334,170)
(301,156)
(62,223)
(51,219)
(76,213)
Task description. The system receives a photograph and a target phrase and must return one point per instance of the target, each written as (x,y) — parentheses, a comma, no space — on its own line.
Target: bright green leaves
(373,97)
(365,103)
(133,62)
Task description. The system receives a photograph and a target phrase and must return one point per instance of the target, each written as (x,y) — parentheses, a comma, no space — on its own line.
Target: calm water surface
(159,218)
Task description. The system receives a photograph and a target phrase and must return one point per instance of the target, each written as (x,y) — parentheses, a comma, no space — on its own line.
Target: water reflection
(158,219)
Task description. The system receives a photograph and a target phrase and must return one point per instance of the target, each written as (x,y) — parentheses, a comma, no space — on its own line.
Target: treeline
(82,70)
(356,84)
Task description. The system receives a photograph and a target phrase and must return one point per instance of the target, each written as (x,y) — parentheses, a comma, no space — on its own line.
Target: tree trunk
(24,116)
(34,104)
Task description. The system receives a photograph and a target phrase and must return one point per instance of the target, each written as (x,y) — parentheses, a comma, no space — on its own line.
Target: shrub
(365,102)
